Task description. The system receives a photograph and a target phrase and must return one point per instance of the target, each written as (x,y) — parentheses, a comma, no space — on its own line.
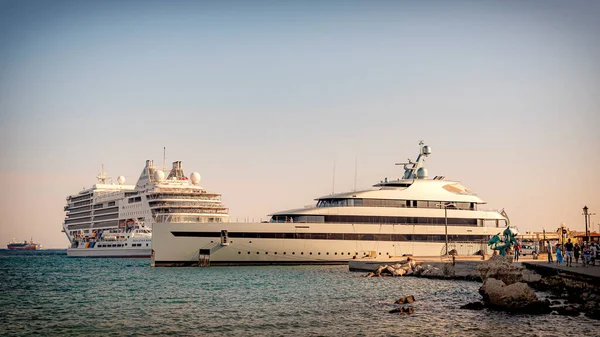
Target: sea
(45,293)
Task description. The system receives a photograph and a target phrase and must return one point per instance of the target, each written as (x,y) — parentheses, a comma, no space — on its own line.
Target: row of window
(81,197)
(373,220)
(118,245)
(357,202)
(82,203)
(221,210)
(78,220)
(136,199)
(106,217)
(194,196)
(72,214)
(177,218)
(106,210)
(310,253)
(342,236)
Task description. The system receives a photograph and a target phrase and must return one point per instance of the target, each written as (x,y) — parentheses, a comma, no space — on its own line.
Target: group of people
(588,253)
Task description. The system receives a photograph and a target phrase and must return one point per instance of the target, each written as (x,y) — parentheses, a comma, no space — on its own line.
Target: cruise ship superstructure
(413,215)
(116,220)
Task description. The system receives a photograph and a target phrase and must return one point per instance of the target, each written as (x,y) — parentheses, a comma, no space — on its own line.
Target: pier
(590,274)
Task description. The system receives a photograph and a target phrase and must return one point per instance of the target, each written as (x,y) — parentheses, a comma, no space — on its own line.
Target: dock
(589,274)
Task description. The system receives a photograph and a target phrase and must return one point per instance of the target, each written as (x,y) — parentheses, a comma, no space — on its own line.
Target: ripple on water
(54,295)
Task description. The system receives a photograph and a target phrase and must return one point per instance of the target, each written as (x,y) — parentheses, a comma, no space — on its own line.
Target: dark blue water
(46,293)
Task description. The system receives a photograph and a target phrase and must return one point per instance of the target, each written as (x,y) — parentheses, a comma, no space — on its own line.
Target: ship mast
(102,177)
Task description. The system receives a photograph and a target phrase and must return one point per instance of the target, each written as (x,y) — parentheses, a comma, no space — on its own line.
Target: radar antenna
(411,168)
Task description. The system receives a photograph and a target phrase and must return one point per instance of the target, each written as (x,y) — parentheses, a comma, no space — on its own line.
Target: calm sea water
(46,293)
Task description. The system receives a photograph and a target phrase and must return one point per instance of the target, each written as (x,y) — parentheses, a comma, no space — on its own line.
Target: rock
(513,298)
(538,308)
(500,268)
(568,311)
(403,310)
(473,306)
(407,299)
(593,314)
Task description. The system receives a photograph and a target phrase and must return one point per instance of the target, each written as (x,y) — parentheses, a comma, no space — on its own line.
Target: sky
(265,98)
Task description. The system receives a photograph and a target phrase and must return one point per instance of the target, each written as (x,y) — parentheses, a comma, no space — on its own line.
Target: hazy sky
(263,97)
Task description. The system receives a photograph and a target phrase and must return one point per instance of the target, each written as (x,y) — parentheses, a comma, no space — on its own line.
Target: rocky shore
(507,286)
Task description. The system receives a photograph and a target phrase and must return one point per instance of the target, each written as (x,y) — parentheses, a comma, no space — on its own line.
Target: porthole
(302,253)
(342,253)
(327,253)
(275,253)
(310,253)
(266,253)
(284,253)
(248,253)
(239,252)
(387,253)
(319,253)
(348,253)
(356,253)
(293,253)
(380,253)
(335,253)
(257,253)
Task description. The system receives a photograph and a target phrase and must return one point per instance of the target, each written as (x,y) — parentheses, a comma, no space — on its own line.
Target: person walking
(559,256)
(587,255)
(594,253)
(549,247)
(576,252)
(569,253)
(517,250)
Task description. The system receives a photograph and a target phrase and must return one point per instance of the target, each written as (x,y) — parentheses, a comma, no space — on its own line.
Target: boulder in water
(500,268)
(407,299)
(515,297)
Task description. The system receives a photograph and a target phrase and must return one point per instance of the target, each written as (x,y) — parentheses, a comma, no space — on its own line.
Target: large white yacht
(115,220)
(413,215)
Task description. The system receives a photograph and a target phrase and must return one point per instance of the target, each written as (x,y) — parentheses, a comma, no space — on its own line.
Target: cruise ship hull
(110,252)
(181,244)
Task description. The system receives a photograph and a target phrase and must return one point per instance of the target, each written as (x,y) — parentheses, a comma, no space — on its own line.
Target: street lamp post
(446,205)
(544,242)
(585,215)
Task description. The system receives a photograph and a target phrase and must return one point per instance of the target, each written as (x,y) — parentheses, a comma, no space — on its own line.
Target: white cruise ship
(413,215)
(116,220)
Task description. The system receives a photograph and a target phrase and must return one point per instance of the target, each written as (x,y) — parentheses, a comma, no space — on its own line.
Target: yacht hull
(183,244)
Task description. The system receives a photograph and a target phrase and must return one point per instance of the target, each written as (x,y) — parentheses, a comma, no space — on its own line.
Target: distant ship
(25,245)
(115,220)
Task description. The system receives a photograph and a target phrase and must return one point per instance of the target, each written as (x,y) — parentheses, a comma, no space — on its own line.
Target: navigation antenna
(355,170)
(164,158)
(333,184)
(102,177)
